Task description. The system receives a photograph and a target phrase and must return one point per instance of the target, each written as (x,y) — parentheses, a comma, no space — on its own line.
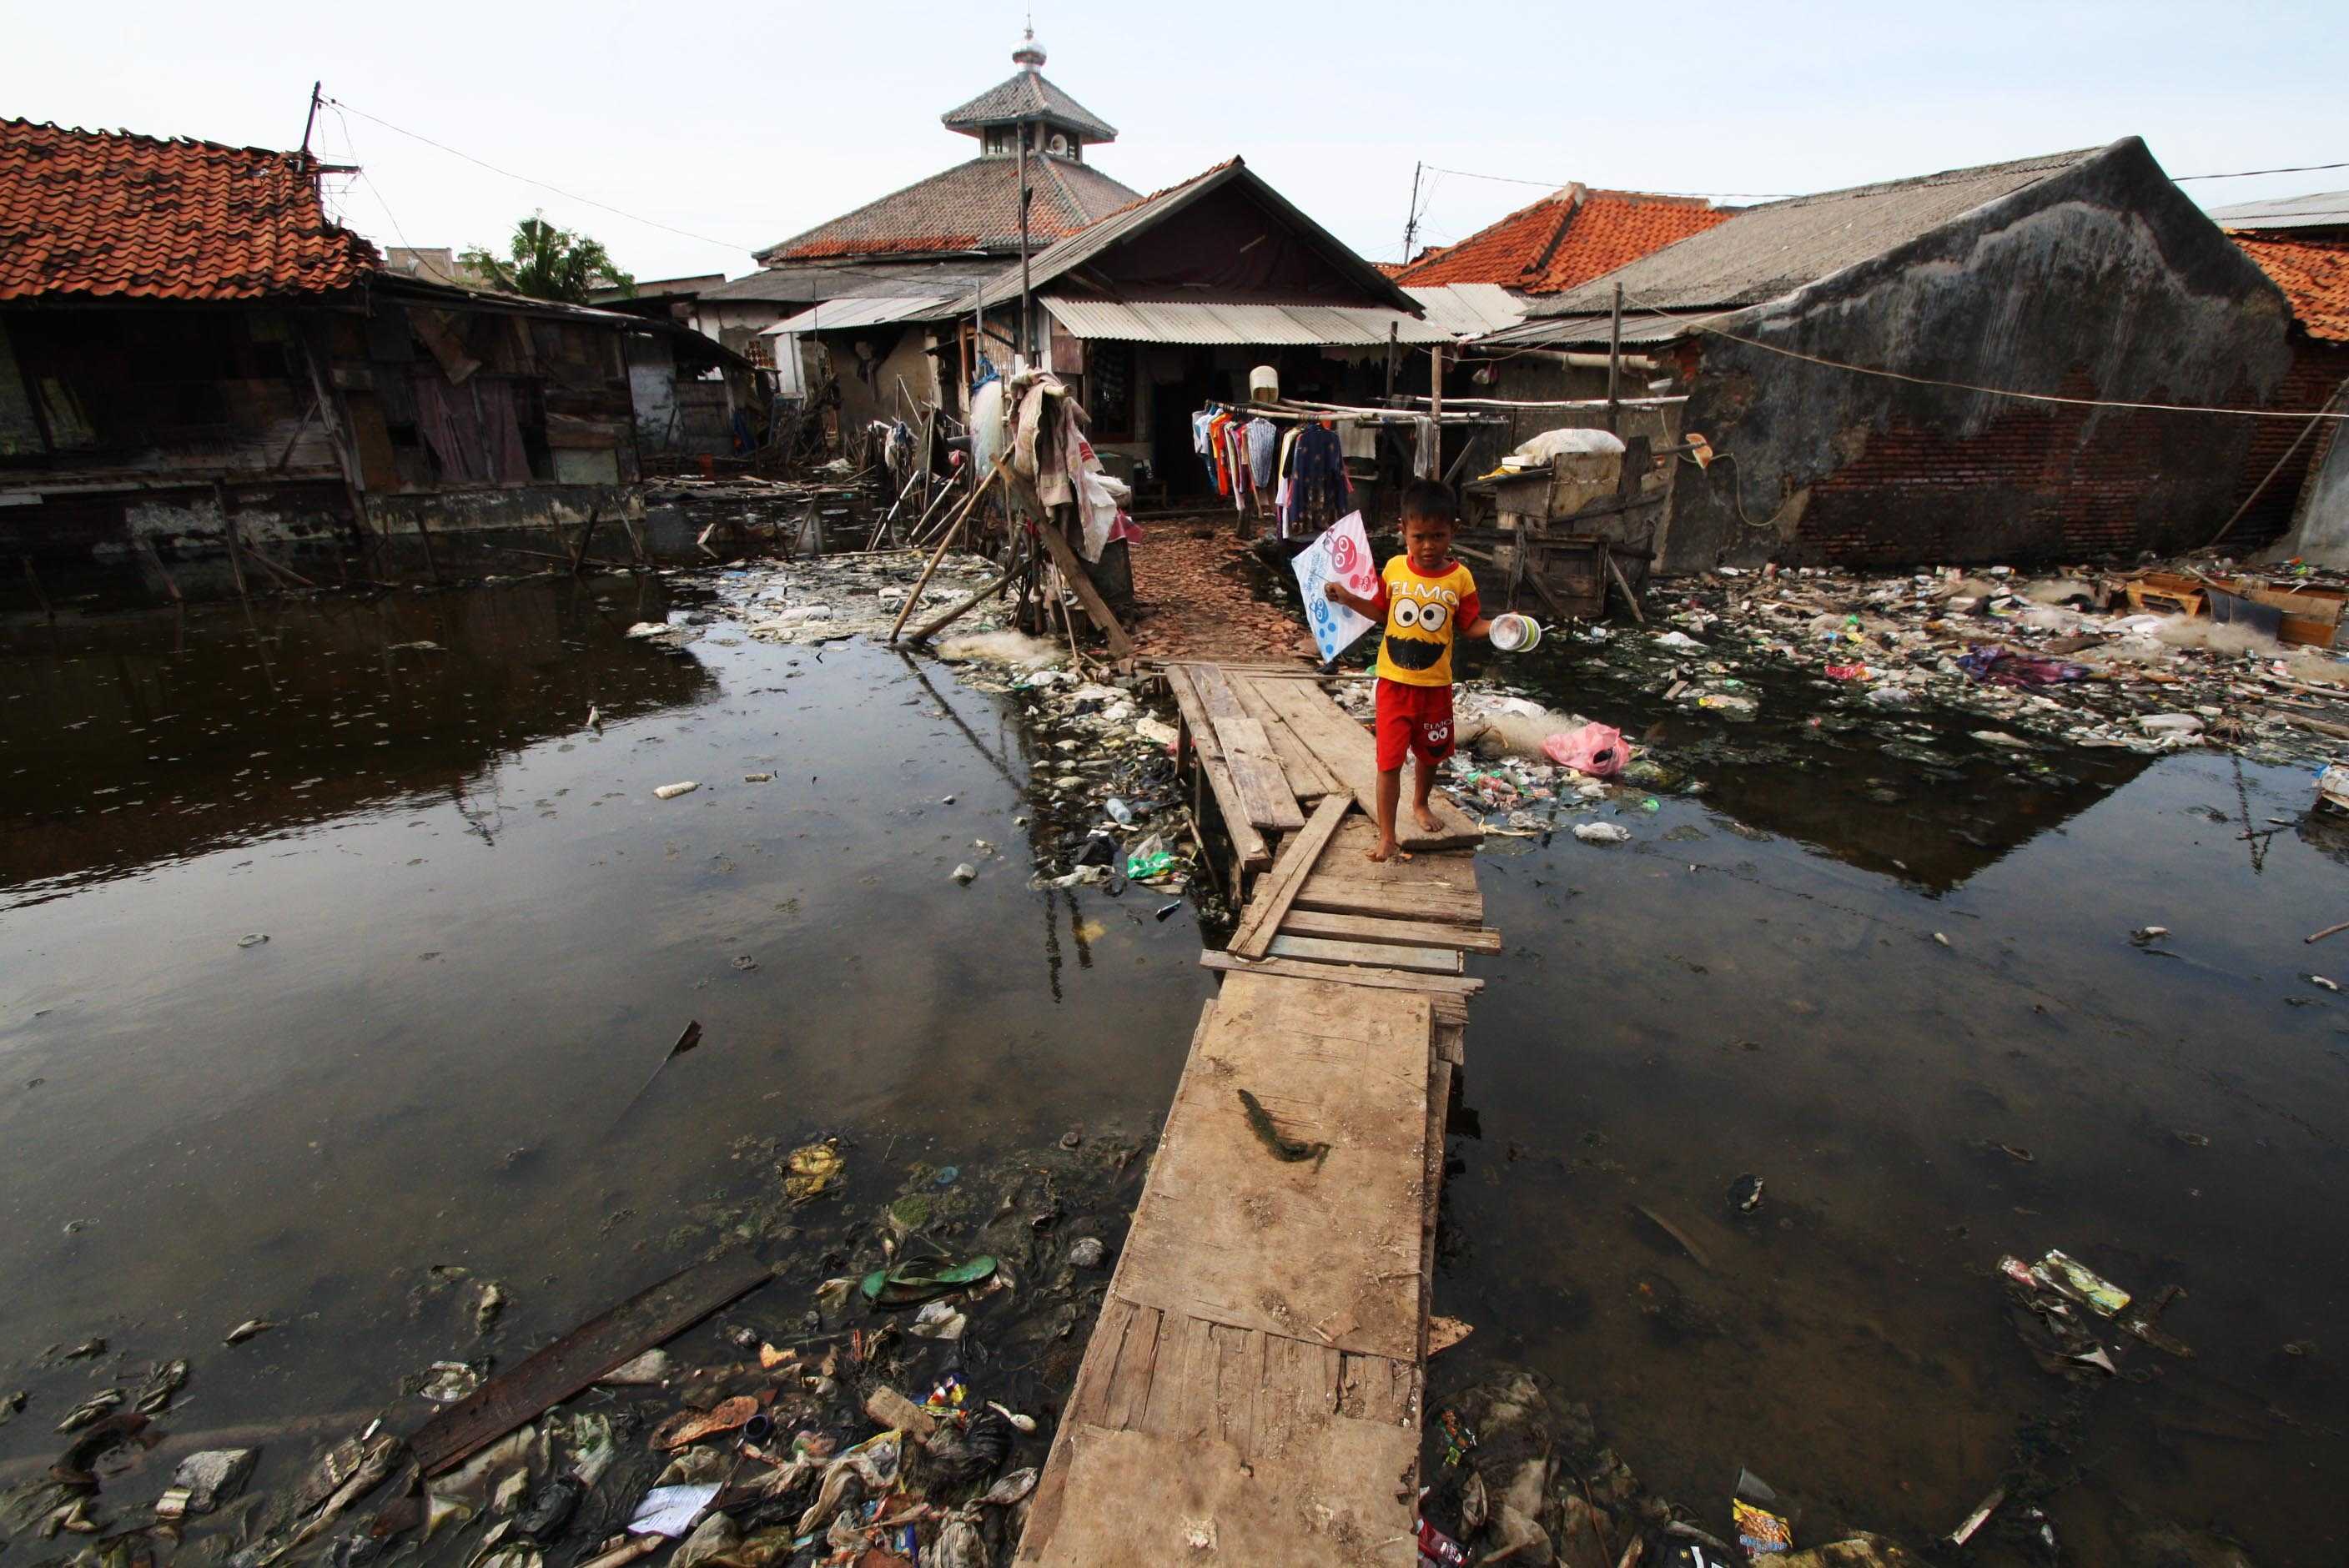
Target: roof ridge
(2049,161)
(14,123)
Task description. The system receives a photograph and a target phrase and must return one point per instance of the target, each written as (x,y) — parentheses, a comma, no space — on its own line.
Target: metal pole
(1026,313)
(1615,362)
(1435,404)
(1410,222)
(310,119)
(1393,349)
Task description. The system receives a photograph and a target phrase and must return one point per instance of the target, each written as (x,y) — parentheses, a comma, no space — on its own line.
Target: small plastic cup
(1515,633)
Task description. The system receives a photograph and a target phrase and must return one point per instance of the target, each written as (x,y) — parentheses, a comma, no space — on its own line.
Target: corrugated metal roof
(1589,332)
(1199,322)
(841,315)
(2321,210)
(1765,252)
(1469,310)
(804,282)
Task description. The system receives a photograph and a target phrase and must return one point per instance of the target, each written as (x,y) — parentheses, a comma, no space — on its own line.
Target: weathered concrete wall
(2319,531)
(2104,283)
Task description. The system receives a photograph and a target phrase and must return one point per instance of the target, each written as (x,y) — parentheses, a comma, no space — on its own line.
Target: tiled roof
(109,214)
(1761,252)
(974,206)
(2313,275)
(1027,95)
(1566,238)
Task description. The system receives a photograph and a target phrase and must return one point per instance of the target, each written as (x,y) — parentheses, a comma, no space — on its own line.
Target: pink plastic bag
(1597,749)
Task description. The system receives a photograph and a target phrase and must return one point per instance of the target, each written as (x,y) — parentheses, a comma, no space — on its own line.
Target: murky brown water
(484,932)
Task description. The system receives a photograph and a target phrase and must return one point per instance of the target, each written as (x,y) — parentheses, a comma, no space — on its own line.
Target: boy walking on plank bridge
(1425,600)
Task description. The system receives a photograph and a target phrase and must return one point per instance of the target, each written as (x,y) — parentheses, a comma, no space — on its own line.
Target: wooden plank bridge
(1252,1391)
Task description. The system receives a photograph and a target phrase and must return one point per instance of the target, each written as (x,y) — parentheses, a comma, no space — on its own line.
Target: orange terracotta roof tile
(1565,240)
(2313,275)
(109,214)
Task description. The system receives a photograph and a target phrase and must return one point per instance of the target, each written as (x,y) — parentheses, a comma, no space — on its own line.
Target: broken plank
(1261,920)
(581,1355)
(1349,927)
(1345,748)
(1307,780)
(1334,894)
(1256,769)
(1081,584)
(1379,976)
(1432,960)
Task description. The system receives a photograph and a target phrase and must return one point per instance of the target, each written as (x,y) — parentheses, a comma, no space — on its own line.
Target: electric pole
(1410,223)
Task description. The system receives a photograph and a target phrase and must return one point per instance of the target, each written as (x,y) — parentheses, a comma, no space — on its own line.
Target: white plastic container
(1514,633)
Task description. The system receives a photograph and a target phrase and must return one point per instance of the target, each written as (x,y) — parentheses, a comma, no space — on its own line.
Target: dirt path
(1194,579)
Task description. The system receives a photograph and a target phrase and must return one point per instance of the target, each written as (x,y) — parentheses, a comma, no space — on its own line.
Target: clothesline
(1567,403)
(1300,408)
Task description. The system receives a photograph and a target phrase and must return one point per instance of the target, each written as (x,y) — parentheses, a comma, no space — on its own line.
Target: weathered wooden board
(580,1357)
(1340,1491)
(1322,1250)
(1306,777)
(1262,918)
(1390,932)
(1074,571)
(1426,960)
(1256,769)
(1350,856)
(1254,852)
(1336,892)
(1344,748)
(1437,987)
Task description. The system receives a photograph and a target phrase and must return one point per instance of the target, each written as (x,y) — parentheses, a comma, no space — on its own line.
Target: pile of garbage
(2060,658)
(862,1404)
(1510,1473)
(826,599)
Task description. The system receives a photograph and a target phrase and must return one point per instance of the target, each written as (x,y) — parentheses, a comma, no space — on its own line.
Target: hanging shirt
(1421,615)
(1263,438)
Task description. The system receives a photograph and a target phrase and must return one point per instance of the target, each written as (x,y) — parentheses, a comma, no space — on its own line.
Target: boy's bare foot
(1427,820)
(1388,849)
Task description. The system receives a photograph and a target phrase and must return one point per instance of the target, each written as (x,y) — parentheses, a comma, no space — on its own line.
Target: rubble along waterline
(1611,1013)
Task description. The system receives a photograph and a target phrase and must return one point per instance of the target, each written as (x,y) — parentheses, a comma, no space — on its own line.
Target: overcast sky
(739,126)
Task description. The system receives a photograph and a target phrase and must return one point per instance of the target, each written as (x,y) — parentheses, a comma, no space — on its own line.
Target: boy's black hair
(1430,501)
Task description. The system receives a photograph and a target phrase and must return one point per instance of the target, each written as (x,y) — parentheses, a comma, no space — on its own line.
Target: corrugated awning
(1202,323)
(860,310)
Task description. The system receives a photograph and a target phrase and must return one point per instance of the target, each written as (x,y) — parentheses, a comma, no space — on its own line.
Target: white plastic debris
(671,792)
(1602,833)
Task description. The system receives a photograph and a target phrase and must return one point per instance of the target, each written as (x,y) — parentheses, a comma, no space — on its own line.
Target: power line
(1703,324)
(542,185)
(2247,173)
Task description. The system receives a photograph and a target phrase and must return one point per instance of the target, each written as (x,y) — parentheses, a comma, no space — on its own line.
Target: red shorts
(1414,719)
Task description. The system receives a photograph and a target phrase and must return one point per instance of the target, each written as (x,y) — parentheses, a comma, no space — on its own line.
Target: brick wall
(2317,371)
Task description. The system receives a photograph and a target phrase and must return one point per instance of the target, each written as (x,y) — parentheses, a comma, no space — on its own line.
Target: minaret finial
(1029,55)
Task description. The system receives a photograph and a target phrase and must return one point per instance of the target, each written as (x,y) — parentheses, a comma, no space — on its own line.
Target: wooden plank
(1390,932)
(1345,749)
(1432,960)
(1248,844)
(581,1355)
(1350,857)
(1334,892)
(1307,777)
(1309,1249)
(1261,920)
(1120,644)
(1379,977)
(1256,769)
(1146,1499)
(1215,693)
(1452,1041)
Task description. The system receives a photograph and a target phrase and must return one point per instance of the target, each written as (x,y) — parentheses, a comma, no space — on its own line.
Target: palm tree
(549,262)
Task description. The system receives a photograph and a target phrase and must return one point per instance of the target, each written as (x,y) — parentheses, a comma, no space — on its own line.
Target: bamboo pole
(945,542)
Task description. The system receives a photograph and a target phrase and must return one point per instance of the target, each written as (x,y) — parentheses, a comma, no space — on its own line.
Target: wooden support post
(959,608)
(1615,363)
(914,597)
(1120,644)
(1616,572)
(40,597)
(228,531)
(155,557)
(579,556)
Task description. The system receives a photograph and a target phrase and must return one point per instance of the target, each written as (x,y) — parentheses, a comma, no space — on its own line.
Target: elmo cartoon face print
(1421,615)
